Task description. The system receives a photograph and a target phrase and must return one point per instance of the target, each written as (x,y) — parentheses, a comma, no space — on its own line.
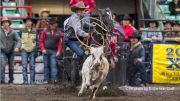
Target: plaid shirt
(74,22)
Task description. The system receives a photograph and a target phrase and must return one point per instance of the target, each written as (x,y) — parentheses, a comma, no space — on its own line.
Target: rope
(94,23)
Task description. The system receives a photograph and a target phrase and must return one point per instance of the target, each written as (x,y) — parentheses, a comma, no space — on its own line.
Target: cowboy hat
(127,17)
(135,35)
(78,5)
(5,19)
(43,10)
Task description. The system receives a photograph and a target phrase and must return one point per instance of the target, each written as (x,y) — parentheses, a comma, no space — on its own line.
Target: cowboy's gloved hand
(138,60)
(86,34)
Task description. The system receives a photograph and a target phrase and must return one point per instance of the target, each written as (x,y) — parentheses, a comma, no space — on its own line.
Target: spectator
(174,7)
(127,27)
(28,50)
(117,33)
(175,36)
(10,43)
(117,27)
(161,1)
(168,27)
(89,7)
(51,47)
(43,22)
(152,35)
(74,26)
(136,56)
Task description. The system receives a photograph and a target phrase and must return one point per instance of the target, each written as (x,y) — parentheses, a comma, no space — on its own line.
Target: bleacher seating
(13,12)
(18,23)
(165,10)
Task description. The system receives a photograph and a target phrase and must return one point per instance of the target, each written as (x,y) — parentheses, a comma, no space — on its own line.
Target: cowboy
(127,27)
(90,6)
(136,56)
(51,47)
(10,42)
(42,23)
(28,50)
(73,28)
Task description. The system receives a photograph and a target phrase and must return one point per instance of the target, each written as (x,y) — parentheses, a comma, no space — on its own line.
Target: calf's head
(96,65)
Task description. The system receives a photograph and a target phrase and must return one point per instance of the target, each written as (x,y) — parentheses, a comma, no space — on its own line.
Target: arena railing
(21,7)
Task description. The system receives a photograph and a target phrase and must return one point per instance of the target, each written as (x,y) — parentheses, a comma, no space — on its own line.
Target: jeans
(3,60)
(31,56)
(74,46)
(133,70)
(50,65)
(142,70)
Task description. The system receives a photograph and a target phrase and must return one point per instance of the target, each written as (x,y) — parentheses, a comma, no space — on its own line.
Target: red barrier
(26,7)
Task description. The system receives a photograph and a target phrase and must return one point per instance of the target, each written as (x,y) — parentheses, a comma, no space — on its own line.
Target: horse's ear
(108,9)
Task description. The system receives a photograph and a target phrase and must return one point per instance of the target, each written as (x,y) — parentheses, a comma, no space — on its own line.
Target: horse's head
(106,16)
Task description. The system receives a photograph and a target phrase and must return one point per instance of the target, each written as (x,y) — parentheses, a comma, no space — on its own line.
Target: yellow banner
(166,63)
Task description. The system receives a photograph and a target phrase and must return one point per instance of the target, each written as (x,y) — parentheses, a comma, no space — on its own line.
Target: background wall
(61,7)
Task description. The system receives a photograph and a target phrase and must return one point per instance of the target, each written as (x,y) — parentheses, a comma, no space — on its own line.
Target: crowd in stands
(153,33)
(174,6)
(51,37)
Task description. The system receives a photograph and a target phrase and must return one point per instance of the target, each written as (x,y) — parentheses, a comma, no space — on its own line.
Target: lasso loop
(103,27)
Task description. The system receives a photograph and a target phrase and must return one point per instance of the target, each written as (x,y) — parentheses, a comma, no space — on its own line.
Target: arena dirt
(65,92)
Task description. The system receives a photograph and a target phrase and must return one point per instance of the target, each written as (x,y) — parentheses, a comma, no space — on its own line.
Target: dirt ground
(64,92)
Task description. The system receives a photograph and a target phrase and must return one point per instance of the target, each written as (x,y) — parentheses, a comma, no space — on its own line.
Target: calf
(94,71)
